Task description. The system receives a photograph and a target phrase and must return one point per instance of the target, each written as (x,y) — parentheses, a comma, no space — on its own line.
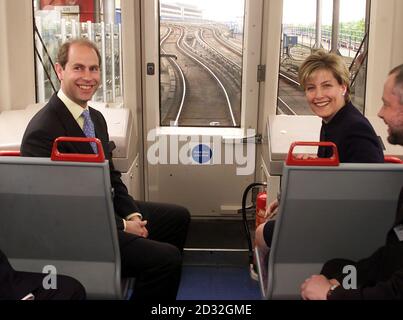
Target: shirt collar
(75,109)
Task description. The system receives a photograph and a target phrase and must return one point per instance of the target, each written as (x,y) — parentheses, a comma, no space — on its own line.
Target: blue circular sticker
(202,153)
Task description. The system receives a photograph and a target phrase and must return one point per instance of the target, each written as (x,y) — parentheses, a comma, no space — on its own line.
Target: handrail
(365,54)
(332,161)
(359,50)
(7,153)
(390,159)
(48,56)
(77,157)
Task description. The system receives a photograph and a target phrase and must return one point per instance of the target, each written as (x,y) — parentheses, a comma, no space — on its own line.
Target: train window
(59,21)
(340,26)
(201,62)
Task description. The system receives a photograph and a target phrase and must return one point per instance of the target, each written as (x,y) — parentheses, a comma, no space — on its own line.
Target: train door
(200,103)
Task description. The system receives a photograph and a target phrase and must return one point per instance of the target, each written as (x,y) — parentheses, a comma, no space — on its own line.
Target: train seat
(60,214)
(14,122)
(120,127)
(328,212)
(12,126)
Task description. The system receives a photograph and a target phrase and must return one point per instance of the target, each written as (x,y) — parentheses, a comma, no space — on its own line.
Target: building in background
(180,12)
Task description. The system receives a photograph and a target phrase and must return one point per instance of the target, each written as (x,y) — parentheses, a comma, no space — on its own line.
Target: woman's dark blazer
(354,137)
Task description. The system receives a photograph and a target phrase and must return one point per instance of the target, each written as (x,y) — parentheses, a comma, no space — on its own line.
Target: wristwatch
(331,289)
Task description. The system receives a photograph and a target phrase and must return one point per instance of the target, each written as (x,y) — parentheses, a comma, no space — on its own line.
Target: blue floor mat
(217,283)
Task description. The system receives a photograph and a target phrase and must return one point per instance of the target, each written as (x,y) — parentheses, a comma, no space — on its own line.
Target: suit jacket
(54,121)
(354,137)
(16,285)
(381,275)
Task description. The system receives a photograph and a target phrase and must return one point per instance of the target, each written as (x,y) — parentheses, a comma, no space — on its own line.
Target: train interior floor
(216,263)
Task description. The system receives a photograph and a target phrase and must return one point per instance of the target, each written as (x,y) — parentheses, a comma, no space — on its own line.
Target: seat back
(329,212)
(61,214)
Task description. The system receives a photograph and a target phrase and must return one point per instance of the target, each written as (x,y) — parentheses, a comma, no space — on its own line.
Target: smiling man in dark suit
(151,236)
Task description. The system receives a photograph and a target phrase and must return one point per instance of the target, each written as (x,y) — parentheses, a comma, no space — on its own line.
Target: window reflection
(57,21)
(303,33)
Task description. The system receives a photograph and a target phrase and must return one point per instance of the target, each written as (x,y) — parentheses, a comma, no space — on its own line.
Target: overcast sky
(304,11)
(295,11)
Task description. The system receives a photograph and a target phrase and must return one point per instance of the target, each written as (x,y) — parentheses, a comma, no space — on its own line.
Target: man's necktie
(88,128)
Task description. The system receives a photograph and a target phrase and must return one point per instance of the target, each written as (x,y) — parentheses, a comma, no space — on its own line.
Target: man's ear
(59,71)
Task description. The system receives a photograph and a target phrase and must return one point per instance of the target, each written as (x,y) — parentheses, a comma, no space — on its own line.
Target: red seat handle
(10,153)
(389,159)
(77,157)
(332,161)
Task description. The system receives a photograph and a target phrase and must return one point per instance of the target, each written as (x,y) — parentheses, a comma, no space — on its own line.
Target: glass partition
(317,28)
(201,50)
(59,21)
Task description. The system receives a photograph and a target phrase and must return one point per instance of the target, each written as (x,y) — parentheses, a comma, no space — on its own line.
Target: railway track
(190,52)
(202,101)
(180,71)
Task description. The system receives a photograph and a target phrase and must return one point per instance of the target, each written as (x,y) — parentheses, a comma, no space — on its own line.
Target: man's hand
(137,227)
(134,218)
(316,287)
